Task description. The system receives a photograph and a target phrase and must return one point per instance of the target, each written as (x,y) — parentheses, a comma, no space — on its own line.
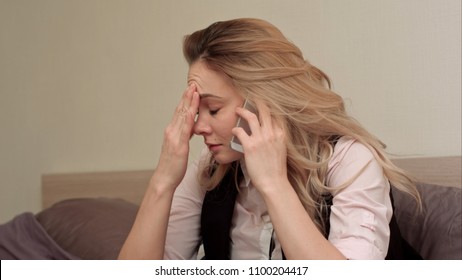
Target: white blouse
(359,221)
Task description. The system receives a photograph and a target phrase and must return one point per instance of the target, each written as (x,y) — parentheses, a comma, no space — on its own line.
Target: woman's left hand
(265,150)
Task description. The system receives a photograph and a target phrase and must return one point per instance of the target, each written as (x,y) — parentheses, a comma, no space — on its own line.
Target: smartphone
(235,143)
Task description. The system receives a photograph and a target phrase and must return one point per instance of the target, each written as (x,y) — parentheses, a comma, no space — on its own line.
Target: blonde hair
(265,66)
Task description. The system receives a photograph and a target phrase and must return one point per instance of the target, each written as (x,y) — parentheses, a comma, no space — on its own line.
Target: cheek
(224,125)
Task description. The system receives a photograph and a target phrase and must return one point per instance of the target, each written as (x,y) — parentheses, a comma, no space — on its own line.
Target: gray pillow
(23,238)
(436,233)
(90,228)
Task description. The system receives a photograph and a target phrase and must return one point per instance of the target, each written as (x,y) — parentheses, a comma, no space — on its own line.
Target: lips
(213,147)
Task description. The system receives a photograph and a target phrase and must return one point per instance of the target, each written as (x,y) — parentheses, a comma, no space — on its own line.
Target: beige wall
(89,85)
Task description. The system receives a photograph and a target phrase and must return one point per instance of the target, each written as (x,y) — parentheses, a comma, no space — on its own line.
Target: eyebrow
(209,95)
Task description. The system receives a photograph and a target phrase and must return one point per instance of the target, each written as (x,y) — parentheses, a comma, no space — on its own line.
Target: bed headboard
(131,185)
(444,171)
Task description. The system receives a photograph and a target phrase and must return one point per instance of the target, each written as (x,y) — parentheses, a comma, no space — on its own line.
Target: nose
(202,126)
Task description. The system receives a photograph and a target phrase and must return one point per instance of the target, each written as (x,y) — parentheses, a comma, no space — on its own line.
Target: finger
(183,113)
(187,99)
(195,101)
(191,112)
(267,120)
(264,114)
(240,133)
(250,117)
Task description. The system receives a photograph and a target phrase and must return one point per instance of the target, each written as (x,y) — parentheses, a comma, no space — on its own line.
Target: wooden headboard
(131,185)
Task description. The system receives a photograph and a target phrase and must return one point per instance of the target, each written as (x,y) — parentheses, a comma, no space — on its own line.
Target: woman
(311,184)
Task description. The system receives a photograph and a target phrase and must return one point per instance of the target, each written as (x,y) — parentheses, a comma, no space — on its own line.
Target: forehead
(209,81)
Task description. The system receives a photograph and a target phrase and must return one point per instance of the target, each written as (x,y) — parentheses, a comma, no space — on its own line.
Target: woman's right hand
(173,160)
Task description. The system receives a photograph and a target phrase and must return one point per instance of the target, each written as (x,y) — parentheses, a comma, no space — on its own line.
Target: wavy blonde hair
(263,65)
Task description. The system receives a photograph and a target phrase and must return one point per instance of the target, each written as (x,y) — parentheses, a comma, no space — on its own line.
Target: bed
(88,215)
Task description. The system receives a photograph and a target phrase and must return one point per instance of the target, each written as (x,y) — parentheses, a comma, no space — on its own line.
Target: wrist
(161,185)
(275,189)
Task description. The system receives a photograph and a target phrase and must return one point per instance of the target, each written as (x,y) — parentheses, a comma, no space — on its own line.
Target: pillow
(436,233)
(90,228)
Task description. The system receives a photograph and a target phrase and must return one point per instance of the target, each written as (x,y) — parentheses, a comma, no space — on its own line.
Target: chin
(227,156)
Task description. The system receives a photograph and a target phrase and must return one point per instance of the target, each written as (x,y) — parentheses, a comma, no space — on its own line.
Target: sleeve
(361,210)
(183,232)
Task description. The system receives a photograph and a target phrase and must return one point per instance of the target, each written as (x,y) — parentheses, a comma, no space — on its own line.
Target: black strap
(216,217)
(399,248)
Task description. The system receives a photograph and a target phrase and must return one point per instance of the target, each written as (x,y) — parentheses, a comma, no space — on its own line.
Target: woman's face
(216,116)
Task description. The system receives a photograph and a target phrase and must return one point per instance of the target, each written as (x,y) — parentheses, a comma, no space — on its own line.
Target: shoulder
(348,149)
(349,159)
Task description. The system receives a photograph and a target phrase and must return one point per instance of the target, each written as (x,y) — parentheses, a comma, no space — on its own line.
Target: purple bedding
(85,228)
(23,238)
